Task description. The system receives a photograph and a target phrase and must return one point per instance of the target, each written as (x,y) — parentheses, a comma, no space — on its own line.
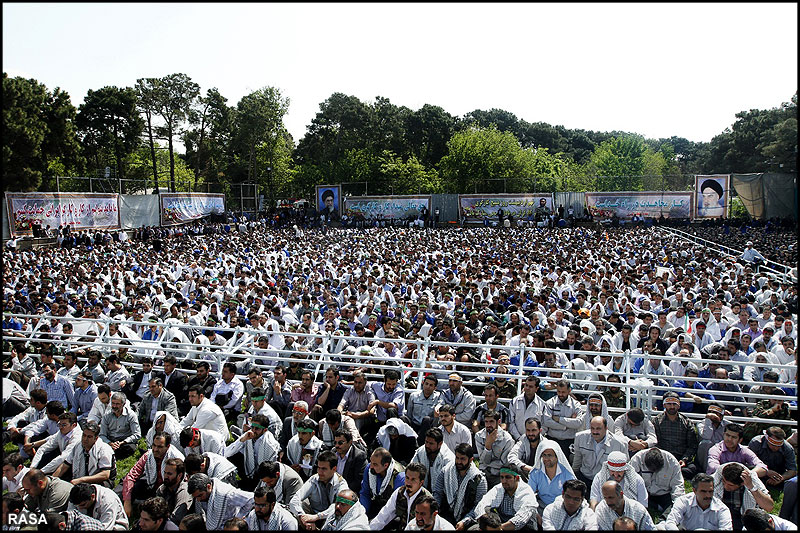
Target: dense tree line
(375,146)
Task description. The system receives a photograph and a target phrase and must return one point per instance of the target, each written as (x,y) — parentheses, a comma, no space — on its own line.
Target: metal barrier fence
(780,270)
(640,389)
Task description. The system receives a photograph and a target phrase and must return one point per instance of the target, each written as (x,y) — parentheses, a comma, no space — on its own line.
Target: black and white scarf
(454,491)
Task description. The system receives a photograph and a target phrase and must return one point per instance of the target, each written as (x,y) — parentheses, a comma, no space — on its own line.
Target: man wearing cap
(617,468)
(460,398)
(677,434)
(777,454)
(512,500)
(751,255)
(592,448)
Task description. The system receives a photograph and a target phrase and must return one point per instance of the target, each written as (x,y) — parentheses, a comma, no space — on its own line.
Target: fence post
(521,364)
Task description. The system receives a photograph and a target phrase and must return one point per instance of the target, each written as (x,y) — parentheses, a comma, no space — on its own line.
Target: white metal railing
(639,393)
(784,271)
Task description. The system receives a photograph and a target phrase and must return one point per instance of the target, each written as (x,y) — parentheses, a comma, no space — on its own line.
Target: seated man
(731,450)
(255,446)
(13,472)
(200,441)
(284,481)
(289,426)
(618,469)
(36,433)
(777,454)
(314,502)
(550,471)
(523,454)
(491,395)
(399,438)
(427,517)
(153,515)
(635,430)
(332,422)
(700,509)
(100,503)
(711,430)
(211,464)
(92,461)
(382,477)
(303,448)
(456,501)
(570,511)
(227,393)
(433,455)
(739,490)
(397,511)
(204,414)
(259,406)
(148,473)
(16,425)
(759,520)
(119,427)
(592,448)
(677,434)
(662,477)
(348,515)
(156,399)
(421,404)
(493,445)
(514,501)
(175,489)
(453,431)
(267,514)
(217,501)
(58,447)
(45,493)
(615,505)
(352,460)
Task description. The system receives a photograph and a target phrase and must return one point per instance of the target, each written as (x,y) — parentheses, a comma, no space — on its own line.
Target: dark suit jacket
(208,384)
(177,386)
(166,402)
(354,468)
(133,386)
(286,432)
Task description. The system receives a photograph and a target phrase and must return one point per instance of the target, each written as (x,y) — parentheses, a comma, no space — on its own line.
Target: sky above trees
(659,70)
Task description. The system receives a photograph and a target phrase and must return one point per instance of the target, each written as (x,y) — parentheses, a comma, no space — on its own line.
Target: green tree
(39,139)
(483,160)
(410,176)
(261,137)
(110,127)
(208,140)
(171,99)
(619,164)
(139,165)
(428,130)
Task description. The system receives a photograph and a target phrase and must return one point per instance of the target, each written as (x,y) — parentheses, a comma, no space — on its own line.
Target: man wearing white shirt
(756,519)
(204,414)
(453,432)
(700,509)
(402,499)
(70,369)
(58,446)
(426,516)
(13,472)
(228,392)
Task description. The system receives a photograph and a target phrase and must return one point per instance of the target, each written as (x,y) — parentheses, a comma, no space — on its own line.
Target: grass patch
(124,466)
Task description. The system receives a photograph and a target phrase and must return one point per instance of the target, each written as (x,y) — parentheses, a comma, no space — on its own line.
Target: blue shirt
(59,389)
(84,400)
(546,489)
(366,496)
(687,406)
(397,396)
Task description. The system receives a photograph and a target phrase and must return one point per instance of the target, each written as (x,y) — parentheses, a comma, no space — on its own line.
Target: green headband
(305,430)
(256,425)
(340,499)
(257,398)
(509,471)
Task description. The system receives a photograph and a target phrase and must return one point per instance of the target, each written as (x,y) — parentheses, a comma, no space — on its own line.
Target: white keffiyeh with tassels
(267,447)
(150,473)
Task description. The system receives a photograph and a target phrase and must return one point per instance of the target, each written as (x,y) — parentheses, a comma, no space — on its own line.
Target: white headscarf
(171,426)
(402,429)
(547,444)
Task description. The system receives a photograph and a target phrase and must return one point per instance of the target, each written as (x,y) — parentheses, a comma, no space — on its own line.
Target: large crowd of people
(264,378)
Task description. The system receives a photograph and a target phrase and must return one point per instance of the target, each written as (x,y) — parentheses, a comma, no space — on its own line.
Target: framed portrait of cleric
(329,198)
(712,196)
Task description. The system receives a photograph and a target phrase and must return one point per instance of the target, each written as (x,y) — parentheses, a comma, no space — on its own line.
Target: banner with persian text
(387,207)
(180,208)
(475,208)
(651,204)
(89,211)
